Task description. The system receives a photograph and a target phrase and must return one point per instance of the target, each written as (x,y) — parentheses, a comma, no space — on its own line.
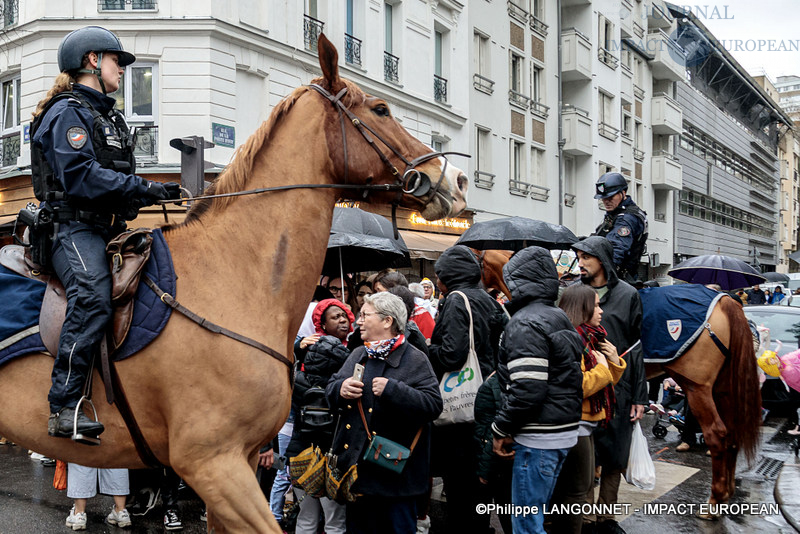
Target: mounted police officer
(83,172)
(624,225)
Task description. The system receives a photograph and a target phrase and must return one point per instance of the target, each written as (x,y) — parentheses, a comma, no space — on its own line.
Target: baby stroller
(668,410)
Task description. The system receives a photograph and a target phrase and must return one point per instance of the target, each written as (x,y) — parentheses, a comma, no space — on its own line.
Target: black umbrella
(362,241)
(776,277)
(516,233)
(729,273)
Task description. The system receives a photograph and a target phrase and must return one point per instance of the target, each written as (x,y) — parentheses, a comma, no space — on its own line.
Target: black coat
(622,319)
(410,400)
(488,402)
(321,362)
(540,355)
(459,270)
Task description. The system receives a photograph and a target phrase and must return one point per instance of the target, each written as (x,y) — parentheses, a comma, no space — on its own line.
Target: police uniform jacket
(622,227)
(66,134)
(410,400)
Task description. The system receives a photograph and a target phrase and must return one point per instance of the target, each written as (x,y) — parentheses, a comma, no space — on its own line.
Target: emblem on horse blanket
(675,316)
(22,300)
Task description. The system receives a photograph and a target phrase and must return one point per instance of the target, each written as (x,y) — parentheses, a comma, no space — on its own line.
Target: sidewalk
(787,493)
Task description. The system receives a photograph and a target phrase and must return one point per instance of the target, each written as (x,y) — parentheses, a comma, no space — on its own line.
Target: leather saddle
(128,253)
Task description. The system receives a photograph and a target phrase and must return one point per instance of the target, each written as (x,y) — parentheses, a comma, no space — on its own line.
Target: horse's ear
(329,61)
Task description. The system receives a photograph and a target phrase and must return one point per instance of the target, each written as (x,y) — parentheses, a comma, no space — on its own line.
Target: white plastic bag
(641,471)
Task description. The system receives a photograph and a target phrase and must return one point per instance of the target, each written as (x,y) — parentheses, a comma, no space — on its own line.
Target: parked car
(784,326)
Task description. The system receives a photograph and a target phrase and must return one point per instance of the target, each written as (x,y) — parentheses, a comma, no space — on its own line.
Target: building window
(483,158)
(9,116)
(606,42)
(517,183)
(10,10)
(126,5)
(137,99)
(352,45)
(538,175)
(439,81)
(391,63)
(606,116)
(482,64)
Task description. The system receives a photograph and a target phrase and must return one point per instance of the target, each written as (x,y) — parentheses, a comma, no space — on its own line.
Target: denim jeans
(282,482)
(534,478)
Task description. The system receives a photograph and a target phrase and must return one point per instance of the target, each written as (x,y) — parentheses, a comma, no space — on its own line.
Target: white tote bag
(459,388)
(641,471)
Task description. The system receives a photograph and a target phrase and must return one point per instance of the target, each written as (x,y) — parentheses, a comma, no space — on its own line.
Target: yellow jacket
(595,380)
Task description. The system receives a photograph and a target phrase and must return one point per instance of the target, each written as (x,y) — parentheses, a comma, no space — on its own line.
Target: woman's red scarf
(603,399)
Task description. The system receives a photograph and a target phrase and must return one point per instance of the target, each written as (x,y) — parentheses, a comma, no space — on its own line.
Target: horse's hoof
(708,517)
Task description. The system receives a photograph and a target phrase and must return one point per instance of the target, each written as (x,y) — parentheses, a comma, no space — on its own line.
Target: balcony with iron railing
(608,131)
(484,180)
(312,28)
(661,217)
(9,149)
(483,84)
(569,200)
(539,109)
(518,187)
(638,154)
(126,5)
(538,26)
(145,146)
(391,71)
(518,13)
(10,10)
(352,50)
(607,57)
(518,99)
(539,192)
(439,89)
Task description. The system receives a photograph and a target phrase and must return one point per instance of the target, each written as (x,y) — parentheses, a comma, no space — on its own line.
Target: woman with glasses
(399,396)
(343,291)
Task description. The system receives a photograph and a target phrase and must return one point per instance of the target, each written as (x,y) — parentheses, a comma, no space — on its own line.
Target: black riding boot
(60,424)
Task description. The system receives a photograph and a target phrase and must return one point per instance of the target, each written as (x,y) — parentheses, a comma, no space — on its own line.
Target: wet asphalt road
(30,505)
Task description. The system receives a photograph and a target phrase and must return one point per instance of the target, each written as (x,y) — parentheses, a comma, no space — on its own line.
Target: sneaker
(794,432)
(683,447)
(119,519)
(172,521)
(677,420)
(204,516)
(423,525)
(76,521)
(657,408)
(144,501)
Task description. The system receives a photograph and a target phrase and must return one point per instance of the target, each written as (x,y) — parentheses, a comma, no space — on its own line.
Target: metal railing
(517,12)
(638,92)
(352,50)
(661,217)
(391,67)
(670,42)
(484,180)
(518,187)
(518,99)
(607,57)
(482,83)
(607,130)
(439,88)
(569,108)
(10,9)
(145,147)
(539,192)
(537,25)
(664,153)
(569,200)
(638,154)
(539,108)
(122,5)
(9,149)
(312,28)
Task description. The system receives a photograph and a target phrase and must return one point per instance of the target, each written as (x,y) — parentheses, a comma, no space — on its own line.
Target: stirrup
(82,438)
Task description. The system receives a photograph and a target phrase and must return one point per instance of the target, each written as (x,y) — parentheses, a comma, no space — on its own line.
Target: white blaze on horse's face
(459,184)
(451,198)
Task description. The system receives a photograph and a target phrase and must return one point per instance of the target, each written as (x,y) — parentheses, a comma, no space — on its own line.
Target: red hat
(319,311)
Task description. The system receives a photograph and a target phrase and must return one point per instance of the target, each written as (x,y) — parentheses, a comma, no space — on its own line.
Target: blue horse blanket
(21,300)
(673,318)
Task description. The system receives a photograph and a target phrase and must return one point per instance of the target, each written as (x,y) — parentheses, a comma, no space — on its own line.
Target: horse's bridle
(412,181)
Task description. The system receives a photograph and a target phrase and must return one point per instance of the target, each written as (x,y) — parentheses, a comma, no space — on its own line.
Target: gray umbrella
(776,277)
(362,241)
(516,233)
(729,273)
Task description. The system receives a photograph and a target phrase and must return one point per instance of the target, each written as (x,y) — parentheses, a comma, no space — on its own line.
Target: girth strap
(170,301)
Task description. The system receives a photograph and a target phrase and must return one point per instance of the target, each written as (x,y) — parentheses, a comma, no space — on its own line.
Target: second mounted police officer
(83,172)
(624,225)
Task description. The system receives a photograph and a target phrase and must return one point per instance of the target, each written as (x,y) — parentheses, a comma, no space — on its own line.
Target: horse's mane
(234,177)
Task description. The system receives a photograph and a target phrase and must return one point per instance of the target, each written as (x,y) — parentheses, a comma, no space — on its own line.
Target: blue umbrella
(729,273)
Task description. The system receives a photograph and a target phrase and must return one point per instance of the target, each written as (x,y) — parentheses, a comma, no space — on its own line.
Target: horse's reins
(412,181)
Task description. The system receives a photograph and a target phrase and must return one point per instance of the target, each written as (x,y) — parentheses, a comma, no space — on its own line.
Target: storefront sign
(459,224)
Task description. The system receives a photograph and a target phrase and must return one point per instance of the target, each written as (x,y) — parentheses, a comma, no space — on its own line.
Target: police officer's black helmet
(610,184)
(80,42)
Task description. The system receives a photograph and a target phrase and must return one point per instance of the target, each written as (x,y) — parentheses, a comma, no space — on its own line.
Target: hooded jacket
(459,270)
(540,354)
(622,319)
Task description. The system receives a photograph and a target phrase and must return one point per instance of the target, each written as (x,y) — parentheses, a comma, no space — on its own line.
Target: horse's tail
(740,376)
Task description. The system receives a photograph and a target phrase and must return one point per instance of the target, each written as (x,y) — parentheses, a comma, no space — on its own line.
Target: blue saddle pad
(22,302)
(673,318)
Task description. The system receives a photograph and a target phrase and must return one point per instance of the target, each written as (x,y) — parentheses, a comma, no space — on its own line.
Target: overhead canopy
(427,246)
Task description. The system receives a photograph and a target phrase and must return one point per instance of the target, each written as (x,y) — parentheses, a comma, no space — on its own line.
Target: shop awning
(427,246)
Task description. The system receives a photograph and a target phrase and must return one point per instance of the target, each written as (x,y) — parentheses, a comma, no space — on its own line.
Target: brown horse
(492,262)
(722,391)
(206,403)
